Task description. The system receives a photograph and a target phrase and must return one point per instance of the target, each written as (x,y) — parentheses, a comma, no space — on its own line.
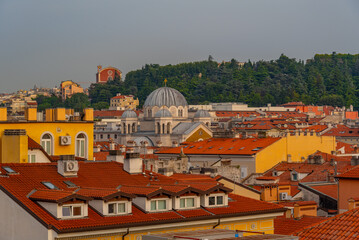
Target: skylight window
(9,170)
(256,149)
(210,147)
(230,148)
(49,185)
(220,148)
(191,147)
(70,184)
(200,147)
(241,148)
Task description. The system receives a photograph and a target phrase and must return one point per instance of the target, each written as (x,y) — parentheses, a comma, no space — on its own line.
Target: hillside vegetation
(331,79)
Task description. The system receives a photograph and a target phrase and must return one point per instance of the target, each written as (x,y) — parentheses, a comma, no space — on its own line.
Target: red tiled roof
(225,146)
(328,189)
(122,97)
(32,144)
(347,147)
(316,128)
(287,226)
(110,113)
(353,173)
(110,175)
(343,131)
(342,226)
(300,203)
(50,195)
(100,156)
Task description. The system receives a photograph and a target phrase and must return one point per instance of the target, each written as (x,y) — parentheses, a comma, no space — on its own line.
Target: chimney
(14,146)
(49,115)
(97,148)
(67,166)
(289,158)
(296,211)
(60,114)
(3,114)
(352,204)
(115,156)
(88,114)
(132,163)
(31,114)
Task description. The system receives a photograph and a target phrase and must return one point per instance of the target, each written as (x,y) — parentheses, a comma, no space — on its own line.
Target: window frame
(72,206)
(78,143)
(116,208)
(216,196)
(156,205)
(185,202)
(49,141)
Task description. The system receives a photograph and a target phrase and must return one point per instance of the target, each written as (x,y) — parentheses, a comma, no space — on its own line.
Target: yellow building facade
(293,148)
(57,135)
(255,224)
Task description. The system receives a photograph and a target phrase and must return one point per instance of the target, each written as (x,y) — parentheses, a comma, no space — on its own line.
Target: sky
(44,42)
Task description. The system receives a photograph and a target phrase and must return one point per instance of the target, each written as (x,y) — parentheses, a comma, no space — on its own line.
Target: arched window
(134,127)
(129,128)
(180,113)
(124,128)
(47,143)
(163,128)
(81,146)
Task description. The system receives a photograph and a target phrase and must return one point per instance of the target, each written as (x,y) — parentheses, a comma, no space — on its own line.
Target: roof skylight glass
(49,185)
(9,170)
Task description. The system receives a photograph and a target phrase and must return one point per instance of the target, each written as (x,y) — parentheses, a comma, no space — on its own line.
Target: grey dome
(163,113)
(129,114)
(202,114)
(165,96)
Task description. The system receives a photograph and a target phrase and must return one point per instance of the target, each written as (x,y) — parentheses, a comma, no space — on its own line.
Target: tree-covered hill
(331,79)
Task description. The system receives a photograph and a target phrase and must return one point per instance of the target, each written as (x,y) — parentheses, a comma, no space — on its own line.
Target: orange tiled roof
(110,175)
(316,128)
(225,146)
(343,131)
(300,203)
(287,226)
(342,226)
(55,195)
(328,189)
(32,144)
(348,148)
(353,173)
(110,113)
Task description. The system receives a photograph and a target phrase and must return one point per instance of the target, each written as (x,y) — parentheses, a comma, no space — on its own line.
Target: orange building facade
(104,75)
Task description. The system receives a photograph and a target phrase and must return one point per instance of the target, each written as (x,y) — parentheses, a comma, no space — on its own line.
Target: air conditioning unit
(65,140)
(283,196)
(71,166)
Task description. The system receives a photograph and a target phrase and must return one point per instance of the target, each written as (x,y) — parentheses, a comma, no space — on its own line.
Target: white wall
(16,223)
(40,156)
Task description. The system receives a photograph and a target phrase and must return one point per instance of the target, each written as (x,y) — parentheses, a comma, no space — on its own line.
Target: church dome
(129,114)
(163,113)
(165,96)
(202,114)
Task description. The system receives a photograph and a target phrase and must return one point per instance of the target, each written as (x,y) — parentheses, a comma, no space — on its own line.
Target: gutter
(128,232)
(219,222)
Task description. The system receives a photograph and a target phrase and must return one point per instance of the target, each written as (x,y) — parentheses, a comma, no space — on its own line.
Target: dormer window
(215,200)
(158,205)
(117,208)
(69,211)
(187,202)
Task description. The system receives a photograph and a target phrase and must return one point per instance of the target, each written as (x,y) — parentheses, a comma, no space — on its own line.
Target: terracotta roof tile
(328,189)
(225,146)
(103,176)
(342,226)
(287,226)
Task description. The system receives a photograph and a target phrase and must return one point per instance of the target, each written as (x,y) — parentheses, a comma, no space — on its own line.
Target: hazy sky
(43,42)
